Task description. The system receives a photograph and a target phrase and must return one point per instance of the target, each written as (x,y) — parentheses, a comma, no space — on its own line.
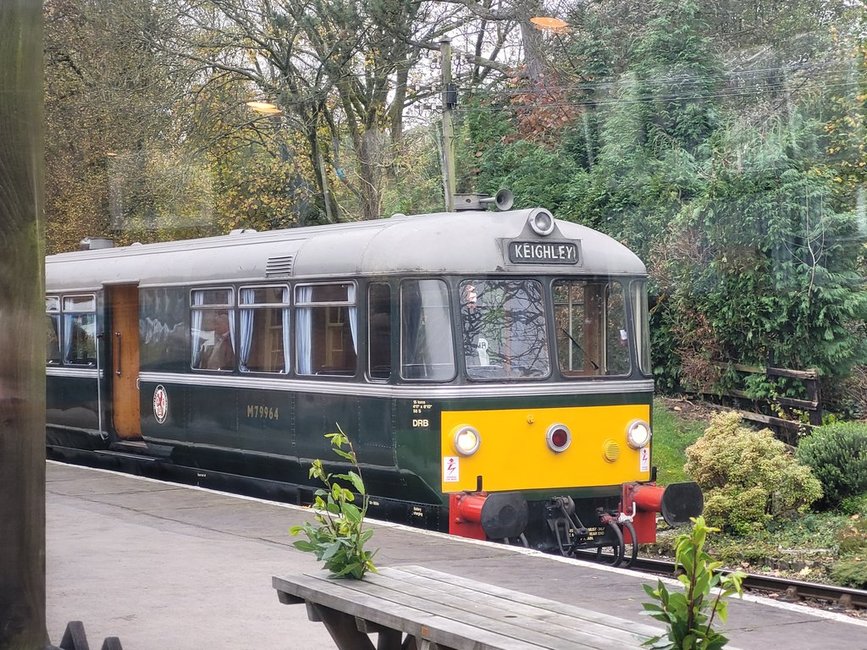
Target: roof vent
(93,243)
(503,201)
(241,231)
(279,266)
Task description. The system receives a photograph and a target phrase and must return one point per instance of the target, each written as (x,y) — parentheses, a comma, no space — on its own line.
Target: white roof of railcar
(465,243)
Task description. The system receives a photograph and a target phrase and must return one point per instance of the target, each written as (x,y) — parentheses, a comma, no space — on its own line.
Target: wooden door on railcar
(123,310)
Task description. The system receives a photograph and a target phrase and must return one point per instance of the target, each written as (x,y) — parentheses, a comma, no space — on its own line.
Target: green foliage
(851,572)
(851,569)
(690,615)
(852,538)
(339,539)
(535,174)
(671,436)
(837,454)
(854,505)
(748,477)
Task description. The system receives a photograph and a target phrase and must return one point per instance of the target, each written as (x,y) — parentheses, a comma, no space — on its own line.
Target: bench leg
(389,640)
(342,629)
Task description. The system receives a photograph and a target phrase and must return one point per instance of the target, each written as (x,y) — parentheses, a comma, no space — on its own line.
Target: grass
(672,434)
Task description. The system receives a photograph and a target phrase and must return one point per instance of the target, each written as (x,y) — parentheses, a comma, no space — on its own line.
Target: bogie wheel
(629,558)
(613,553)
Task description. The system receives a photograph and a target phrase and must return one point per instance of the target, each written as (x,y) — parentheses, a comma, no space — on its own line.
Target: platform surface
(165,566)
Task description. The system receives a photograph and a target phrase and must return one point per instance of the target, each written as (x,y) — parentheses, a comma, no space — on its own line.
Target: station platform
(167,566)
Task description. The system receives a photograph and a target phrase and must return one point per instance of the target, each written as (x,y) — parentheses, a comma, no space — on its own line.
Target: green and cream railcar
(491,368)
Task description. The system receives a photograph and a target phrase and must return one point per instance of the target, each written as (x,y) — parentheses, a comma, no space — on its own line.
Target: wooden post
(448,128)
(22,326)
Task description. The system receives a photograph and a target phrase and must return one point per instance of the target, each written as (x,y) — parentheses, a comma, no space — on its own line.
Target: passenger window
(641,329)
(504,329)
(326,329)
(79,330)
(212,328)
(592,335)
(264,329)
(52,343)
(426,348)
(379,330)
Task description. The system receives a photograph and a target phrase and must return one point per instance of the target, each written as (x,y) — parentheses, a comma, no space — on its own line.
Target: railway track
(782,588)
(827,596)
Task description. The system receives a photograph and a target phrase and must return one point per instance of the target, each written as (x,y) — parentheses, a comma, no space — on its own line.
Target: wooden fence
(786,419)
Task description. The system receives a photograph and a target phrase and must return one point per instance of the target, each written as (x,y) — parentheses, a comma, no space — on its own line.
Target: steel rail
(791,590)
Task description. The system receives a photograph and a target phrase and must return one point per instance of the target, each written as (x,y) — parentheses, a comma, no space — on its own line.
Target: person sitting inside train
(220,355)
(475,345)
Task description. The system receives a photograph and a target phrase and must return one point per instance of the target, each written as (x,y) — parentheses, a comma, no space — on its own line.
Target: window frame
(603,324)
(286,324)
(62,339)
(450,316)
(301,306)
(230,308)
(525,281)
(368,317)
(57,314)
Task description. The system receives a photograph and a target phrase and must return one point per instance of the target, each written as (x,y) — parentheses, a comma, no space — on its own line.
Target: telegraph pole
(22,309)
(450,100)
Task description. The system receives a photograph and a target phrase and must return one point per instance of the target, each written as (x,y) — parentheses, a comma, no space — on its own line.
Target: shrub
(854,505)
(837,454)
(851,571)
(748,476)
(852,539)
(339,539)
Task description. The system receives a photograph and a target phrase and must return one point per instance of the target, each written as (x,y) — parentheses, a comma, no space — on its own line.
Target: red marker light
(559,437)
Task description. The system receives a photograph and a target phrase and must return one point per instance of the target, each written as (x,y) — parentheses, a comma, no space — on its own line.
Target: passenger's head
(221,323)
(469,297)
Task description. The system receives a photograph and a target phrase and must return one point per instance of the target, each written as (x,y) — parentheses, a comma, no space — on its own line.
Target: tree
(108,99)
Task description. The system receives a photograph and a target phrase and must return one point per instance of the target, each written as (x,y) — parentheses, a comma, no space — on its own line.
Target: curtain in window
(68,321)
(247,318)
(304,332)
(286,322)
(196,328)
(231,314)
(353,316)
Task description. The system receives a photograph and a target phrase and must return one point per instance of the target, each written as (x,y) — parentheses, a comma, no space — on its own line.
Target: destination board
(538,252)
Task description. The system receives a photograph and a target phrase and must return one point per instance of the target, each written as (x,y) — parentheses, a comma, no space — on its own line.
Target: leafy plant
(339,538)
(851,571)
(690,615)
(748,476)
(837,454)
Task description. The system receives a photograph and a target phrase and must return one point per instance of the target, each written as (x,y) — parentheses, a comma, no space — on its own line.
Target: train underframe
(610,527)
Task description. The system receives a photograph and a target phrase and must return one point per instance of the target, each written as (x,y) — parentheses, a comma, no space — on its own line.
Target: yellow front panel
(514,453)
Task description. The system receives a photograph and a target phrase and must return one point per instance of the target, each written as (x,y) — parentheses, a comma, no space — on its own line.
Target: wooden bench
(414,608)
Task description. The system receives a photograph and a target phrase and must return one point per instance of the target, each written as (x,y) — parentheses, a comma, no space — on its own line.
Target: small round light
(638,434)
(559,438)
(542,222)
(466,440)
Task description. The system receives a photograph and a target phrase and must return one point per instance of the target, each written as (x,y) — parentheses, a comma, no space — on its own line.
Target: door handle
(118,340)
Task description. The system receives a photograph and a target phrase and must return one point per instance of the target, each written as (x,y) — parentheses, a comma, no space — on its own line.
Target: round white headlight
(638,434)
(542,222)
(466,440)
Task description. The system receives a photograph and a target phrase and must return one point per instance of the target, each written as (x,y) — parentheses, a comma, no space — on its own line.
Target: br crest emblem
(161,404)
